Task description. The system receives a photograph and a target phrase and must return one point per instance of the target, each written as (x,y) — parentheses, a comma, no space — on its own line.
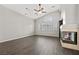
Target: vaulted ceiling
(28,9)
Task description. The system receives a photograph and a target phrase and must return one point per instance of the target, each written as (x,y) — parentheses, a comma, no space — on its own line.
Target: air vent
(53,6)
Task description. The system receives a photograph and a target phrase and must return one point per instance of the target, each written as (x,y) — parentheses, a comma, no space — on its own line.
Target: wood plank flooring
(35,45)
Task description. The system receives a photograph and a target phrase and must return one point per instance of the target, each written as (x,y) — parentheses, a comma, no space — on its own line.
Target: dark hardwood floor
(35,45)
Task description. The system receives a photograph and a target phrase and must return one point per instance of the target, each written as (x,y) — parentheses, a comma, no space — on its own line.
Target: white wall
(53,19)
(77,15)
(13,25)
(70,13)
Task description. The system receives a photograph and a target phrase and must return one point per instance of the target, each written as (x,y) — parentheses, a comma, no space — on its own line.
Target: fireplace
(69,37)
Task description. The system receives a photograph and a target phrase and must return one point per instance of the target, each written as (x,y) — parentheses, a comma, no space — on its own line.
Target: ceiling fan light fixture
(40,10)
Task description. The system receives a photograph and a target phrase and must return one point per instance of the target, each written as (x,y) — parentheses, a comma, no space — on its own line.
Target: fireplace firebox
(69,37)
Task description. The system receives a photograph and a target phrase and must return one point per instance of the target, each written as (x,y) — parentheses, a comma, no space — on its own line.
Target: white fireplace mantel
(70,28)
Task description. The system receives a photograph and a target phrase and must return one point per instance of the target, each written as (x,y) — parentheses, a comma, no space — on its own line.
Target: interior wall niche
(48,25)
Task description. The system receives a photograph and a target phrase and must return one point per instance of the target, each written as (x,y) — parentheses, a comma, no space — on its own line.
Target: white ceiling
(20,8)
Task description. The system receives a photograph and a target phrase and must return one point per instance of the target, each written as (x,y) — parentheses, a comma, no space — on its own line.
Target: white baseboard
(1,41)
(14,38)
(48,35)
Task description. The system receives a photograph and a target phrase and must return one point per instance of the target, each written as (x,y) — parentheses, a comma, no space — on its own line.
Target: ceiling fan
(40,9)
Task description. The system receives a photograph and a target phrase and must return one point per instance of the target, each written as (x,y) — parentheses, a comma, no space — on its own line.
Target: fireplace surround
(70,36)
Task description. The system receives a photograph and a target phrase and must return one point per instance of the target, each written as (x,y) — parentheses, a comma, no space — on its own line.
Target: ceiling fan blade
(36,10)
(41,9)
(44,12)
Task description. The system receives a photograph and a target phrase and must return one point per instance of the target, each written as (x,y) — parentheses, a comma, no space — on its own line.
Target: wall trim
(15,38)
